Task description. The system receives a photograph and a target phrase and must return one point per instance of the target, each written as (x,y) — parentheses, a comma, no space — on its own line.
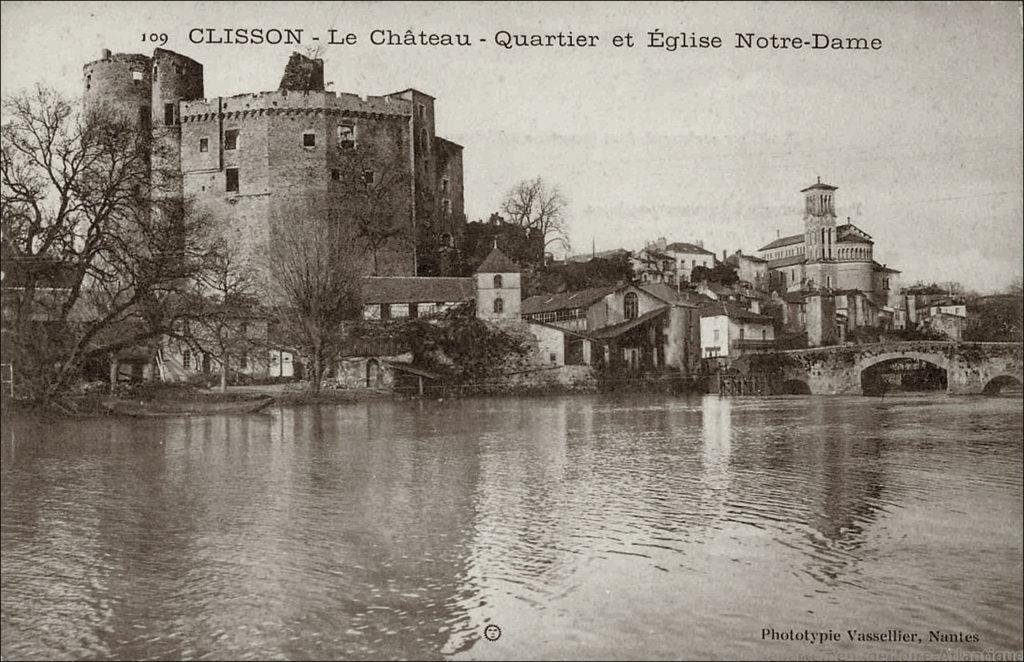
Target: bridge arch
(795,387)
(879,375)
(997,384)
(937,360)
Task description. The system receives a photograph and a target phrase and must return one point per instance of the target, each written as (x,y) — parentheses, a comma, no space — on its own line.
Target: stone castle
(253,159)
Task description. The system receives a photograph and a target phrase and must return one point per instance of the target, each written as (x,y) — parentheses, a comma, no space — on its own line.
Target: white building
(728,331)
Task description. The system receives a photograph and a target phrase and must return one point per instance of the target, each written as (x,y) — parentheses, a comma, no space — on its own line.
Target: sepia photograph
(511,330)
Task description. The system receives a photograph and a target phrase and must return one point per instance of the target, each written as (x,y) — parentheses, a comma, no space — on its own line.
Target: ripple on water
(579,525)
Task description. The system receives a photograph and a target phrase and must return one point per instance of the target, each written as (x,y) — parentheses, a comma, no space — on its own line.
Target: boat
(218,404)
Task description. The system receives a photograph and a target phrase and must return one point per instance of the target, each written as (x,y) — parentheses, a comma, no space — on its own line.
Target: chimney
(723,255)
(105,53)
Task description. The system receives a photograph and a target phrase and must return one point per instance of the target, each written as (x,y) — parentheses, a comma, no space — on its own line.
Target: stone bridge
(971,367)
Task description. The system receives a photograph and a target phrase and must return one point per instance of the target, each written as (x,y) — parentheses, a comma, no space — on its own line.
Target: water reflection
(594,527)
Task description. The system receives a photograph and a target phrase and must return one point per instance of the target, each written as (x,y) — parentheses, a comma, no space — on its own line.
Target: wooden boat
(215,404)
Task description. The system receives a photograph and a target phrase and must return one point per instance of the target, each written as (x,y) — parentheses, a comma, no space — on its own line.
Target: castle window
(499,305)
(204,144)
(423,139)
(231,180)
(137,76)
(169,114)
(336,175)
(231,139)
(631,306)
(309,139)
(346,136)
(447,206)
(497,282)
(368,177)
(422,110)
(444,185)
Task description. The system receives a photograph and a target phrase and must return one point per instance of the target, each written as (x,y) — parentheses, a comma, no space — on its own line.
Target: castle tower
(498,287)
(176,78)
(119,83)
(819,222)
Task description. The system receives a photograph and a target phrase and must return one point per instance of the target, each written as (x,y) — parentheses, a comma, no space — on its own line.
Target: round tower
(176,78)
(119,83)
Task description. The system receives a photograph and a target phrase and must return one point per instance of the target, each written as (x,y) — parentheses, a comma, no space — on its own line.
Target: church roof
(882,267)
(787,261)
(497,262)
(819,187)
(784,241)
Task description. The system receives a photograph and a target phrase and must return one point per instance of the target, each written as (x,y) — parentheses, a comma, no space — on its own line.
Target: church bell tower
(819,222)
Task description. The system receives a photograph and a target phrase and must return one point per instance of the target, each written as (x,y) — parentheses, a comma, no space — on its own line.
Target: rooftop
(616,330)
(819,187)
(416,289)
(685,247)
(784,241)
(732,311)
(544,303)
(668,294)
(881,267)
(497,262)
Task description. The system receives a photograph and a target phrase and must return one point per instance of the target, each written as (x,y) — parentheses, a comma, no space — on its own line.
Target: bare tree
(374,199)
(97,263)
(224,319)
(313,286)
(540,207)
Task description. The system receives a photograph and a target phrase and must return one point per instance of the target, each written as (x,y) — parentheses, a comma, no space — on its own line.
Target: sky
(923,136)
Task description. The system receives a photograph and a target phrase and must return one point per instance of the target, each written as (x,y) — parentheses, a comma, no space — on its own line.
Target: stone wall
(969,366)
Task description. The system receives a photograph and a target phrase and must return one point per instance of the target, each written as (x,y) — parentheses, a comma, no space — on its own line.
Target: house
(728,331)
(397,297)
(856,309)
(751,269)
(688,256)
(635,327)
(654,265)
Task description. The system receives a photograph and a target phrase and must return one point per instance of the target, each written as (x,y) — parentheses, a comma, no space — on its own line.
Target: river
(586,526)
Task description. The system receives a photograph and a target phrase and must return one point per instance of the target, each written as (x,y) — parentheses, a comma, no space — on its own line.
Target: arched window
(631,306)
(497,282)
(499,303)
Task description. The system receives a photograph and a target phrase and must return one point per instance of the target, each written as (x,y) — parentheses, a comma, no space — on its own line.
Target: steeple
(819,221)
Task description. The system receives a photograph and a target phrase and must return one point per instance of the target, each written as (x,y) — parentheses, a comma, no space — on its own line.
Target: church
(830,258)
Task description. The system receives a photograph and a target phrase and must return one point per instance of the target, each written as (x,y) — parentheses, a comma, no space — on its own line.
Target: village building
(635,327)
(728,331)
(751,270)
(686,256)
